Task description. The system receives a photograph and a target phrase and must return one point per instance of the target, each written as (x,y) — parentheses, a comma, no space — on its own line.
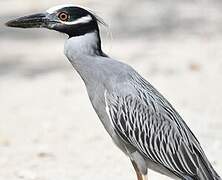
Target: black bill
(31,21)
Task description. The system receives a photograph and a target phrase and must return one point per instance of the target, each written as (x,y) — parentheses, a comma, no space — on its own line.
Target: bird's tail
(206,170)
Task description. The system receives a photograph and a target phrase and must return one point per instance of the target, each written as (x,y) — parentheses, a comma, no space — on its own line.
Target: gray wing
(149,123)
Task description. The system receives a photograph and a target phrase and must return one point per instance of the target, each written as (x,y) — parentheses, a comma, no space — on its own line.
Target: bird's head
(69,19)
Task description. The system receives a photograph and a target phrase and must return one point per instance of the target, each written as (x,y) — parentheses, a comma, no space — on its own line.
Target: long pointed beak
(31,21)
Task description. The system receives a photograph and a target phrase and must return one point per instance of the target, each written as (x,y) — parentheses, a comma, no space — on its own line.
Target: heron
(140,121)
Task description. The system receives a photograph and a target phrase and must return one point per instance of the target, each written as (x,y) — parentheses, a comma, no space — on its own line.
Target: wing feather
(153,134)
(146,120)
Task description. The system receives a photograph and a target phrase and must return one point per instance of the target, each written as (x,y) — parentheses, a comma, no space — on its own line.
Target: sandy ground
(48,129)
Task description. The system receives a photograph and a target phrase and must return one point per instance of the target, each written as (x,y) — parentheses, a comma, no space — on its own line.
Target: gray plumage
(139,119)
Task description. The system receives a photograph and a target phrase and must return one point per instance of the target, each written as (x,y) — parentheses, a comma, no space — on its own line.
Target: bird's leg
(145,177)
(139,175)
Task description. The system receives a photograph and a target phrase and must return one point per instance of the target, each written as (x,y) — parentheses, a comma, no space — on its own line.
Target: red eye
(63,16)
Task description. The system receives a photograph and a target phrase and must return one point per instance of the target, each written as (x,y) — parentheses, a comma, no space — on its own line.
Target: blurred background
(48,129)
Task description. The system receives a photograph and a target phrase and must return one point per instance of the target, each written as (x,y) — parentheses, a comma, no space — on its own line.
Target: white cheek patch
(82,20)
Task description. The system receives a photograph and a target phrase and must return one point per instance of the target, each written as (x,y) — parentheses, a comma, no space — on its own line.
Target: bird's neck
(88,44)
(83,52)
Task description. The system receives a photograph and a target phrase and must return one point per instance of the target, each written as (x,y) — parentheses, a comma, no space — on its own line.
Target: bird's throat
(80,46)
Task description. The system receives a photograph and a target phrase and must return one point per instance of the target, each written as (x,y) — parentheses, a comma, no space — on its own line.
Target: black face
(75,21)
(72,20)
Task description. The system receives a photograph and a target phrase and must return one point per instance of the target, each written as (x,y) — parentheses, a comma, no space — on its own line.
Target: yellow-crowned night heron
(141,122)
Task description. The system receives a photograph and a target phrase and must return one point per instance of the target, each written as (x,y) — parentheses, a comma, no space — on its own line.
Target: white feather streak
(81,20)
